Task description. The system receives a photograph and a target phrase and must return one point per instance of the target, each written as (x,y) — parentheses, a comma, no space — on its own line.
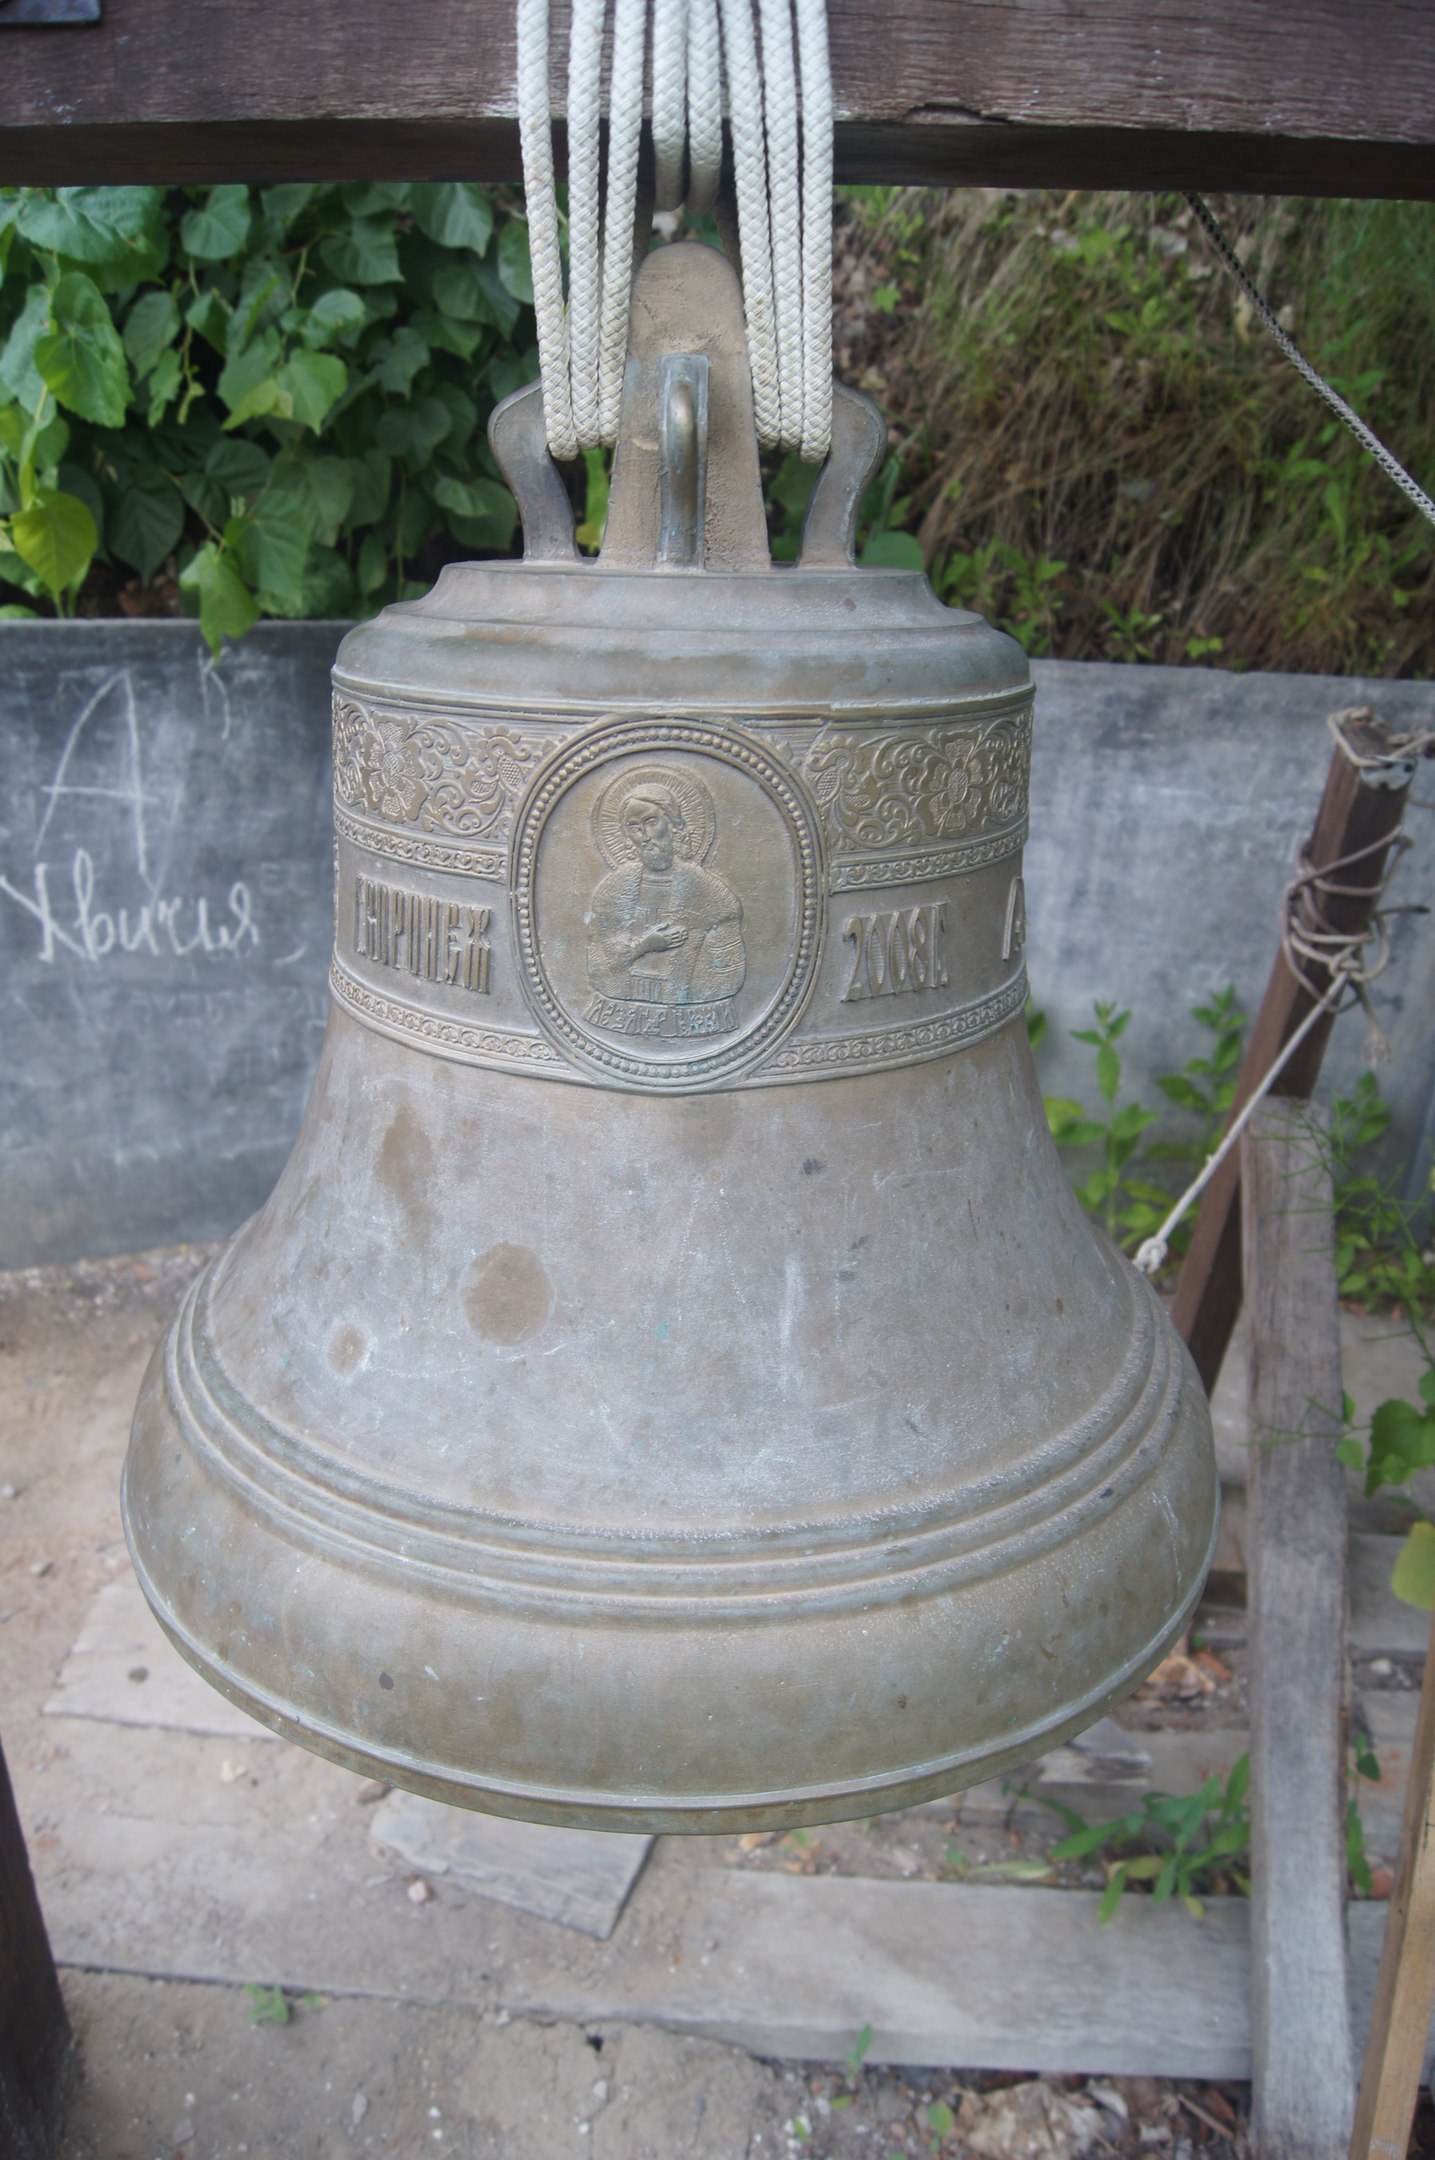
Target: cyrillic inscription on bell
(673,1384)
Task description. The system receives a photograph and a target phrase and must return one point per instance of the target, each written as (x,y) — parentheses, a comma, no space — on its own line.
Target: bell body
(672,1384)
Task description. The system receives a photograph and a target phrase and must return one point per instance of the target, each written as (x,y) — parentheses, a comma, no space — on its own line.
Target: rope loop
(1351,962)
(779,96)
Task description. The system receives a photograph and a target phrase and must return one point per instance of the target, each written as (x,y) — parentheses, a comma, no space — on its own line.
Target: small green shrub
(263,400)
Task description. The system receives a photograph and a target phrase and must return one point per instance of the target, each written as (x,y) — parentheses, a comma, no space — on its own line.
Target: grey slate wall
(165,902)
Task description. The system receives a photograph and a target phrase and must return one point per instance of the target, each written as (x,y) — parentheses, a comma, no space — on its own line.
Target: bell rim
(668,1815)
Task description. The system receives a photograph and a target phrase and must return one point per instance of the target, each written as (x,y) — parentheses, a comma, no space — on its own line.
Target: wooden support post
(1405,1989)
(1354,814)
(1303,2083)
(34,2030)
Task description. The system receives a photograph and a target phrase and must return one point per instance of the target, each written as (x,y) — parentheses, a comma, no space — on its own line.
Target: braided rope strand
(625,123)
(704,106)
(585,81)
(535,134)
(670,85)
(816,230)
(779,90)
(750,177)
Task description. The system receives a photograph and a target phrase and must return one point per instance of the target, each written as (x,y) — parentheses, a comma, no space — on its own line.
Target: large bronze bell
(672,1385)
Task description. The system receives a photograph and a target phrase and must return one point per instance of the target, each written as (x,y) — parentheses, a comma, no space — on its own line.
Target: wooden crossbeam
(1294,96)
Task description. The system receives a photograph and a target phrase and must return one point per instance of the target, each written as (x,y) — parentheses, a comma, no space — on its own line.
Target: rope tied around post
(1350,961)
(779,96)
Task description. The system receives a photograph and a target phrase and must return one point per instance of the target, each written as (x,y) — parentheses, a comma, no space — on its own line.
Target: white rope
(535,134)
(670,84)
(749,157)
(816,229)
(704,105)
(779,91)
(585,262)
(782,178)
(1151,1256)
(625,126)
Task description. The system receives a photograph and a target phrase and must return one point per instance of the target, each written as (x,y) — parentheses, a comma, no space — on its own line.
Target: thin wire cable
(1366,437)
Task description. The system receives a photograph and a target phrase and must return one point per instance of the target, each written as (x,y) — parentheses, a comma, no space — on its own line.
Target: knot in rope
(1349,960)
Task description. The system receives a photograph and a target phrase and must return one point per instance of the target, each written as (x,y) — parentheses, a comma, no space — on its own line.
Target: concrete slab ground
(187,1873)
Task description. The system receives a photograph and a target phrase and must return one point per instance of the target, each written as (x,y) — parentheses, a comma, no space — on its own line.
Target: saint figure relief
(662,930)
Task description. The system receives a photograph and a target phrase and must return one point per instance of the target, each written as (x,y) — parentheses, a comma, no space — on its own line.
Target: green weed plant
(1177,1846)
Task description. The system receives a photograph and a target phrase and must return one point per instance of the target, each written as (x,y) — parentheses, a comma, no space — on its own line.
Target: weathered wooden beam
(1359,810)
(1405,1989)
(34,2031)
(1294,96)
(1303,2079)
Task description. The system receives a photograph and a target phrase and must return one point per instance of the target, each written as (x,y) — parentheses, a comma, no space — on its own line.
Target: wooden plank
(1405,1990)
(162,1867)
(1303,2088)
(580,1878)
(124,1668)
(1353,814)
(1301,96)
(34,2030)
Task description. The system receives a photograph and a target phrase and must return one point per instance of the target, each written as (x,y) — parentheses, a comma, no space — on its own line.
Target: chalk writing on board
(73,909)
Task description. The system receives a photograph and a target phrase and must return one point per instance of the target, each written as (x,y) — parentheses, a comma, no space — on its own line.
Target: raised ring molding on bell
(491,863)
(878,1049)
(1076,1478)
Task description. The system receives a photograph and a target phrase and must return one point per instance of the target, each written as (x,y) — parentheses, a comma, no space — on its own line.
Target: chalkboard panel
(165,907)
(165,840)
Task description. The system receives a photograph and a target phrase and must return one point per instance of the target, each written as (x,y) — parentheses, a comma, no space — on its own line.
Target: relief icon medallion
(667,901)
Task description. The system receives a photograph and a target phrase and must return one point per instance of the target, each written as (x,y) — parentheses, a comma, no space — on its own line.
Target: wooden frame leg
(34,2030)
(1405,1989)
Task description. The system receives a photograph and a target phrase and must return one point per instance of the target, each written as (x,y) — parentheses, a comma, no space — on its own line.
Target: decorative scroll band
(430,1031)
(815,1058)
(916,788)
(423,854)
(824,1057)
(430,773)
(878,870)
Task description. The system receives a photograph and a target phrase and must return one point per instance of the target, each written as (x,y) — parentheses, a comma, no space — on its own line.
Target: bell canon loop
(673,1385)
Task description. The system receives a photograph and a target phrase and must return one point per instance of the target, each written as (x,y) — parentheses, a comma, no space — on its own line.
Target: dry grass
(1102,450)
